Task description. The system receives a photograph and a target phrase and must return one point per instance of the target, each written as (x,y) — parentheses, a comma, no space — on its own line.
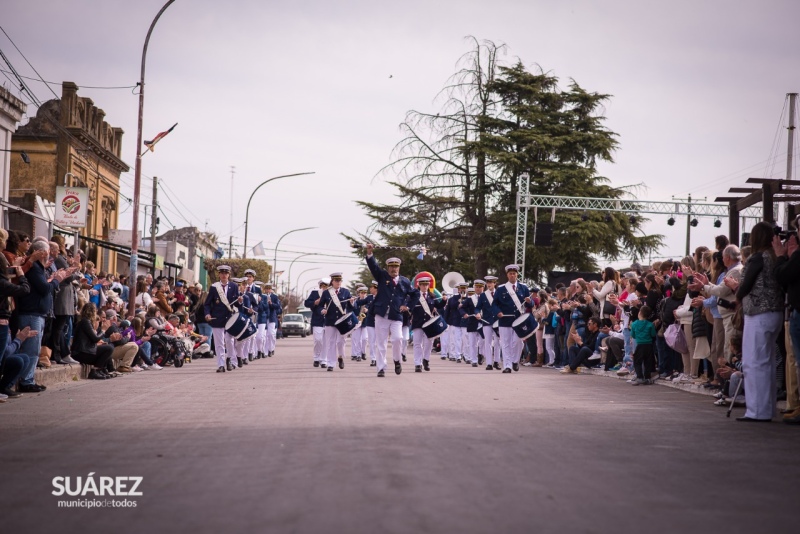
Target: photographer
(787,271)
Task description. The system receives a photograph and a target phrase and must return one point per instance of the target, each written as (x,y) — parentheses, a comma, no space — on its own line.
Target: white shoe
(623,371)
(526,364)
(156,367)
(3,397)
(136,368)
(145,367)
(595,356)
(683,378)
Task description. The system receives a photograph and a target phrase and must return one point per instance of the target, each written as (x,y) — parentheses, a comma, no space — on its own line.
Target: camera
(786,234)
(727,304)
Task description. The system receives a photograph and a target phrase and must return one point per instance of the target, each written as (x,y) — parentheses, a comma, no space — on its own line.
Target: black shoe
(444,357)
(29,388)
(239,360)
(373,363)
(506,370)
(515,366)
(228,365)
(316,364)
(250,357)
(381,374)
(753,420)
(271,353)
(95,375)
(221,369)
(404,357)
(245,362)
(474,364)
(330,369)
(489,368)
(426,365)
(497,365)
(398,368)
(481,359)
(323,365)
(417,368)
(11,394)
(341,363)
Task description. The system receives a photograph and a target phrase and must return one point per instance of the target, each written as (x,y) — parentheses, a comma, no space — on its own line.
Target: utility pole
(689,219)
(153,224)
(230,247)
(233,171)
(789,151)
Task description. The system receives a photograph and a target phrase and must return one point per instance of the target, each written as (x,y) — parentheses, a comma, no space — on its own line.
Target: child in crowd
(644,333)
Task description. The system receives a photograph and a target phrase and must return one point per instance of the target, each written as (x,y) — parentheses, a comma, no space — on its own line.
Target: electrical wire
(26,60)
(80,86)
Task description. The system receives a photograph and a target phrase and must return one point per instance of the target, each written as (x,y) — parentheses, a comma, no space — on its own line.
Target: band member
(479,286)
(218,308)
(317,321)
(509,303)
(369,324)
(406,333)
(491,341)
(264,309)
(275,310)
(390,303)
(452,315)
(423,306)
(260,339)
(246,286)
(359,336)
(247,307)
(469,314)
(336,303)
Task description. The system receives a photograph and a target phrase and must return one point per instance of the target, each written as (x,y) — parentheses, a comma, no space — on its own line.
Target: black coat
(85,340)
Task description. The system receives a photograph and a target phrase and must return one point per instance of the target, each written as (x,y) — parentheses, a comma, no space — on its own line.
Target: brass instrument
(362,314)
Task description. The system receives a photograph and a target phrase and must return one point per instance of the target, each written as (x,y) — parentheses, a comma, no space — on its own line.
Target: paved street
(283,447)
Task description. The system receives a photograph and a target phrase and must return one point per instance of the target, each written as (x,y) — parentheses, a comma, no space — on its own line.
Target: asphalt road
(283,447)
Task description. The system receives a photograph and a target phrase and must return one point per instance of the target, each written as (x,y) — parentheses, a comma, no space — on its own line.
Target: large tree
(456,171)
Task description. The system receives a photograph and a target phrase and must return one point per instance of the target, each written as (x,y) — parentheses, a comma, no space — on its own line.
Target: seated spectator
(12,364)
(160,298)
(88,346)
(584,346)
(142,336)
(729,374)
(125,348)
(143,298)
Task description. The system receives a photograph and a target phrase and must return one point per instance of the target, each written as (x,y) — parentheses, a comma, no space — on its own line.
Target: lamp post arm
(247,211)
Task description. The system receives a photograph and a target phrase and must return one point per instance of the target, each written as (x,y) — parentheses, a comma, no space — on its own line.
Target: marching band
(477,325)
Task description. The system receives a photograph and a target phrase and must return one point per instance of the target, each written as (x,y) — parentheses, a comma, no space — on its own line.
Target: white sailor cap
(238,280)
(470,290)
(512,267)
(361,289)
(336,276)
(424,280)
(479,282)
(393,261)
(267,284)
(490,278)
(462,284)
(258,283)
(250,271)
(223,268)
(374,283)
(323,281)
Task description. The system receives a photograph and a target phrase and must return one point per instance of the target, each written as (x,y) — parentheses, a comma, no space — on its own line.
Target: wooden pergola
(771,190)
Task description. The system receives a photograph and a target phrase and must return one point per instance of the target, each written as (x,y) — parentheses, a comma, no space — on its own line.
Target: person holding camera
(787,271)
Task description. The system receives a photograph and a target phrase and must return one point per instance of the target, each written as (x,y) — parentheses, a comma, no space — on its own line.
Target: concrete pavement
(283,447)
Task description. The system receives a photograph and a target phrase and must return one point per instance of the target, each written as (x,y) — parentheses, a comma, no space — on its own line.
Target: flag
(156,139)
(421,255)
(258,250)
(278,274)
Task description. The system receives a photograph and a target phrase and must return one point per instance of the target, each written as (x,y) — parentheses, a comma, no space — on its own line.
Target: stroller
(169,350)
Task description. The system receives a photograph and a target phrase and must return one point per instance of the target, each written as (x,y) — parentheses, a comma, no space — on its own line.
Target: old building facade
(70,143)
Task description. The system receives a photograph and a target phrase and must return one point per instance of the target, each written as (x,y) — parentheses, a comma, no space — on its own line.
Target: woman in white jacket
(610,285)
(684,314)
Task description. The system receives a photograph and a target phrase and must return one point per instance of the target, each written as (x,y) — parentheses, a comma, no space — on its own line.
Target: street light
(298,278)
(275,259)
(137,174)
(247,212)
(289,277)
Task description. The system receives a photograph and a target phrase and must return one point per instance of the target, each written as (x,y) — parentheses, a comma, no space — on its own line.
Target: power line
(26,60)
(80,86)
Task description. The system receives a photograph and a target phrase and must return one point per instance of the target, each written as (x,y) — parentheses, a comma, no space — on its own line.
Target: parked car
(294,324)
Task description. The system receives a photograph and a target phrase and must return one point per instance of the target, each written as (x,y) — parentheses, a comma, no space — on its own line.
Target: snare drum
(240,327)
(346,323)
(434,327)
(525,326)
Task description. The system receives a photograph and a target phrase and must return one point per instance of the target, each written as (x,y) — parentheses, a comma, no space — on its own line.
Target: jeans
(794,334)
(31,347)
(579,355)
(4,332)
(626,335)
(666,356)
(145,349)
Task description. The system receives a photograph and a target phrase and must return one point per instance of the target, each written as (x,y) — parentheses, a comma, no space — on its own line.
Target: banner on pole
(72,206)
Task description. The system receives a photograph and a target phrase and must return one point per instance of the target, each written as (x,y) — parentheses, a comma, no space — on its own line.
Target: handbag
(676,339)
(702,349)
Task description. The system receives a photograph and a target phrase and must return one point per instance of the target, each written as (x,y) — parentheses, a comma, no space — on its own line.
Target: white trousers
(422,346)
(759,352)
(550,347)
(491,345)
(241,348)
(371,341)
(456,341)
(272,333)
(384,330)
(404,343)
(471,346)
(261,338)
(223,345)
(355,342)
(511,345)
(444,340)
(334,346)
(318,332)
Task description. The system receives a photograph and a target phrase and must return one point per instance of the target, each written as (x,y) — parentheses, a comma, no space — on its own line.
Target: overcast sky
(283,87)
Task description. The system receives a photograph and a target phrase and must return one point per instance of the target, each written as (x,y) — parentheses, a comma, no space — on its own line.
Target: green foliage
(238,267)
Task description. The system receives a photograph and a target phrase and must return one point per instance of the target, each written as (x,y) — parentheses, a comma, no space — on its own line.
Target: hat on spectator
(393,262)
(250,271)
(111,314)
(512,267)
(223,268)
(124,324)
(630,274)
(178,284)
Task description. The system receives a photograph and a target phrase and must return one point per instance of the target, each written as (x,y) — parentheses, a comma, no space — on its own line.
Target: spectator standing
(787,271)
(644,333)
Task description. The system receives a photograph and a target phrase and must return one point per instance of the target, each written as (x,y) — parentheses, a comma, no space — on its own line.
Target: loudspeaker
(745,241)
(544,235)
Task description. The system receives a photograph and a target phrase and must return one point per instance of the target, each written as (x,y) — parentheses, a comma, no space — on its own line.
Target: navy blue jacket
(264,309)
(369,320)
(418,315)
(317,319)
(452,313)
(504,304)
(485,308)
(390,295)
(214,307)
(366,301)
(333,314)
(275,307)
(470,308)
(40,300)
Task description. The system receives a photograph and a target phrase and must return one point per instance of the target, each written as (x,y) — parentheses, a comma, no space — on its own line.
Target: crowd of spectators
(56,309)
(724,318)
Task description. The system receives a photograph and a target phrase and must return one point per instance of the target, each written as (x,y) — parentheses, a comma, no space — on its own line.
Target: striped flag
(156,139)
